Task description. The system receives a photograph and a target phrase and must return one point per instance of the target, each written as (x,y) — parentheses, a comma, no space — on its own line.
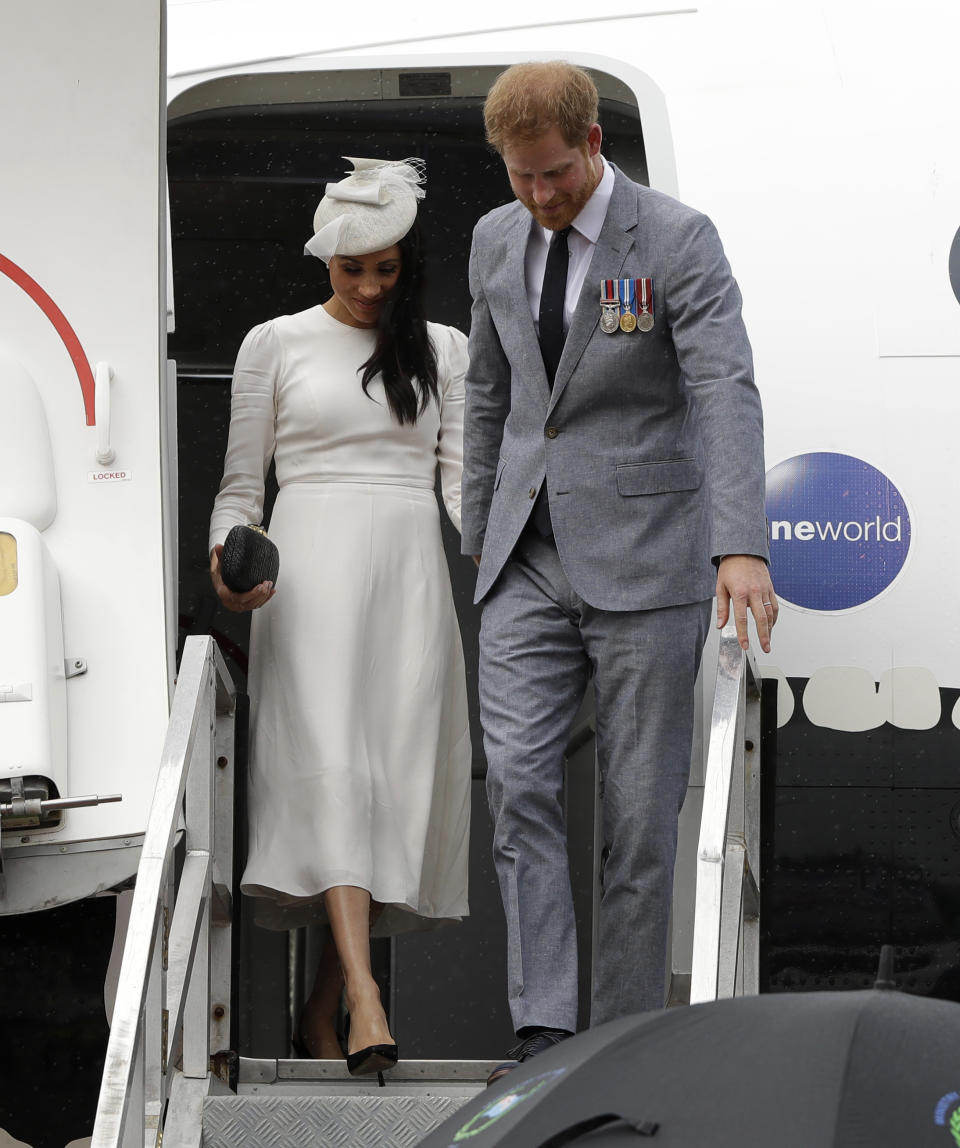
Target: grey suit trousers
(540,644)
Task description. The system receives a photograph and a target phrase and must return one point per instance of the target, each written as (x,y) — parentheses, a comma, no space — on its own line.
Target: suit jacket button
(533,492)
(552,432)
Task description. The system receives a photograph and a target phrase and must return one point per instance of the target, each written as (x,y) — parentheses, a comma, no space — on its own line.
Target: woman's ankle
(368,1019)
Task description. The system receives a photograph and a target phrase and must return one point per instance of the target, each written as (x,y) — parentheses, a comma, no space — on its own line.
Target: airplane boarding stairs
(168,1075)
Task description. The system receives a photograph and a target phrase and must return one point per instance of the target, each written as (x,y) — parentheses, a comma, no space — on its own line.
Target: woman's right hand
(238,603)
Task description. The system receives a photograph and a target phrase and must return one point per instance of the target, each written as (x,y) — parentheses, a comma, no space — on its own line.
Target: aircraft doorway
(248,160)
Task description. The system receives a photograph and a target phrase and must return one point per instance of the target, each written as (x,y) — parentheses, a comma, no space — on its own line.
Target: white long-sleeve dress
(360,744)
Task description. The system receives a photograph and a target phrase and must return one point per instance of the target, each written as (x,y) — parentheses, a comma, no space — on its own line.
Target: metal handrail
(726,927)
(173,1002)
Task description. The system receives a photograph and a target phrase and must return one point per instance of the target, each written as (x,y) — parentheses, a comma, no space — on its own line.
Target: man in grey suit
(613,482)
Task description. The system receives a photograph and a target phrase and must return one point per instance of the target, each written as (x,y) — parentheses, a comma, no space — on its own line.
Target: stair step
(292,1103)
(363,1120)
(330,1077)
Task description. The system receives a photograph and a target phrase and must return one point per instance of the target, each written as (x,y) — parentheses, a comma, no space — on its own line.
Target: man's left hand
(745,580)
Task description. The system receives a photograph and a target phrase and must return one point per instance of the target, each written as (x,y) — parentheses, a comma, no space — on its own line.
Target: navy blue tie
(552,299)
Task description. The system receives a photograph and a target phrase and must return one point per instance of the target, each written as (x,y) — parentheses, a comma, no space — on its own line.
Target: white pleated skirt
(360,744)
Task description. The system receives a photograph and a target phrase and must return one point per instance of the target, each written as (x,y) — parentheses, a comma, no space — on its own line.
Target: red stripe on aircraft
(67,334)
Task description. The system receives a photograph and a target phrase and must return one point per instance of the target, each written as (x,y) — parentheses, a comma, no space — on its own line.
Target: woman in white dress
(360,748)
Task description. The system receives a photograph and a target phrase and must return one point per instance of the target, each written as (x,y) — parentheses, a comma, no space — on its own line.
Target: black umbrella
(802,1070)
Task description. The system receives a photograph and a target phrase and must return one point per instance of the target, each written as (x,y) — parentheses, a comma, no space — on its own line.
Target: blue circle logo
(839,531)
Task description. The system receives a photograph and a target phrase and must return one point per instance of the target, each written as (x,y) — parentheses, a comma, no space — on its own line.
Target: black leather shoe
(528,1047)
(373,1058)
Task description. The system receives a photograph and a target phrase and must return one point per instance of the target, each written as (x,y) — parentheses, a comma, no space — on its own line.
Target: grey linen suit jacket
(651,444)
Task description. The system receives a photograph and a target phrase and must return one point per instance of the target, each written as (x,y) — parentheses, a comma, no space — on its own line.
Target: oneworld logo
(839,531)
(835,531)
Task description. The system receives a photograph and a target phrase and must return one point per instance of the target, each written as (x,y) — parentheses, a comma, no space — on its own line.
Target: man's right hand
(238,603)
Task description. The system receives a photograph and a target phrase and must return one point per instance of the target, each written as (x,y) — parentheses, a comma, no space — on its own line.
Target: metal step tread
(258,1077)
(383,1119)
(291,1103)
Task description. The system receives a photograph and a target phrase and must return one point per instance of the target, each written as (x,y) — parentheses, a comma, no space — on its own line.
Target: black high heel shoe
(373,1058)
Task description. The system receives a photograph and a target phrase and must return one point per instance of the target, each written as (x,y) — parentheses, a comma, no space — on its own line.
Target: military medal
(645,319)
(609,306)
(628,319)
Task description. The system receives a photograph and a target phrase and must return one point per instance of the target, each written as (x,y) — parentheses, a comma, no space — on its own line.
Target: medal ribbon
(646,295)
(608,291)
(627,294)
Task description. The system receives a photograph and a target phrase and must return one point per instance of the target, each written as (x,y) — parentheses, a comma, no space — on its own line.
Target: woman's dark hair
(404,355)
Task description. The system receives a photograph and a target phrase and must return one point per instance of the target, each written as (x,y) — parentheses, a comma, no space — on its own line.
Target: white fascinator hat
(372,208)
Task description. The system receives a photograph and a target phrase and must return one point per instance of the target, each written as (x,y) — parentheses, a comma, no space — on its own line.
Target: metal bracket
(221,905)
(23,805)
(225,1065)
(22,812)
(72,667)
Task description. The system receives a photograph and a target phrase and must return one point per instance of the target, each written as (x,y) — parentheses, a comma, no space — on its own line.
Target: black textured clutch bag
(248,558)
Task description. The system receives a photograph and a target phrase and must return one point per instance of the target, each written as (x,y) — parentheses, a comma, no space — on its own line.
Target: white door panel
(81,268)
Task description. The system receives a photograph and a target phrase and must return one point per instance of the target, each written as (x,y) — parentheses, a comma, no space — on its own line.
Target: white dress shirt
(580,243)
